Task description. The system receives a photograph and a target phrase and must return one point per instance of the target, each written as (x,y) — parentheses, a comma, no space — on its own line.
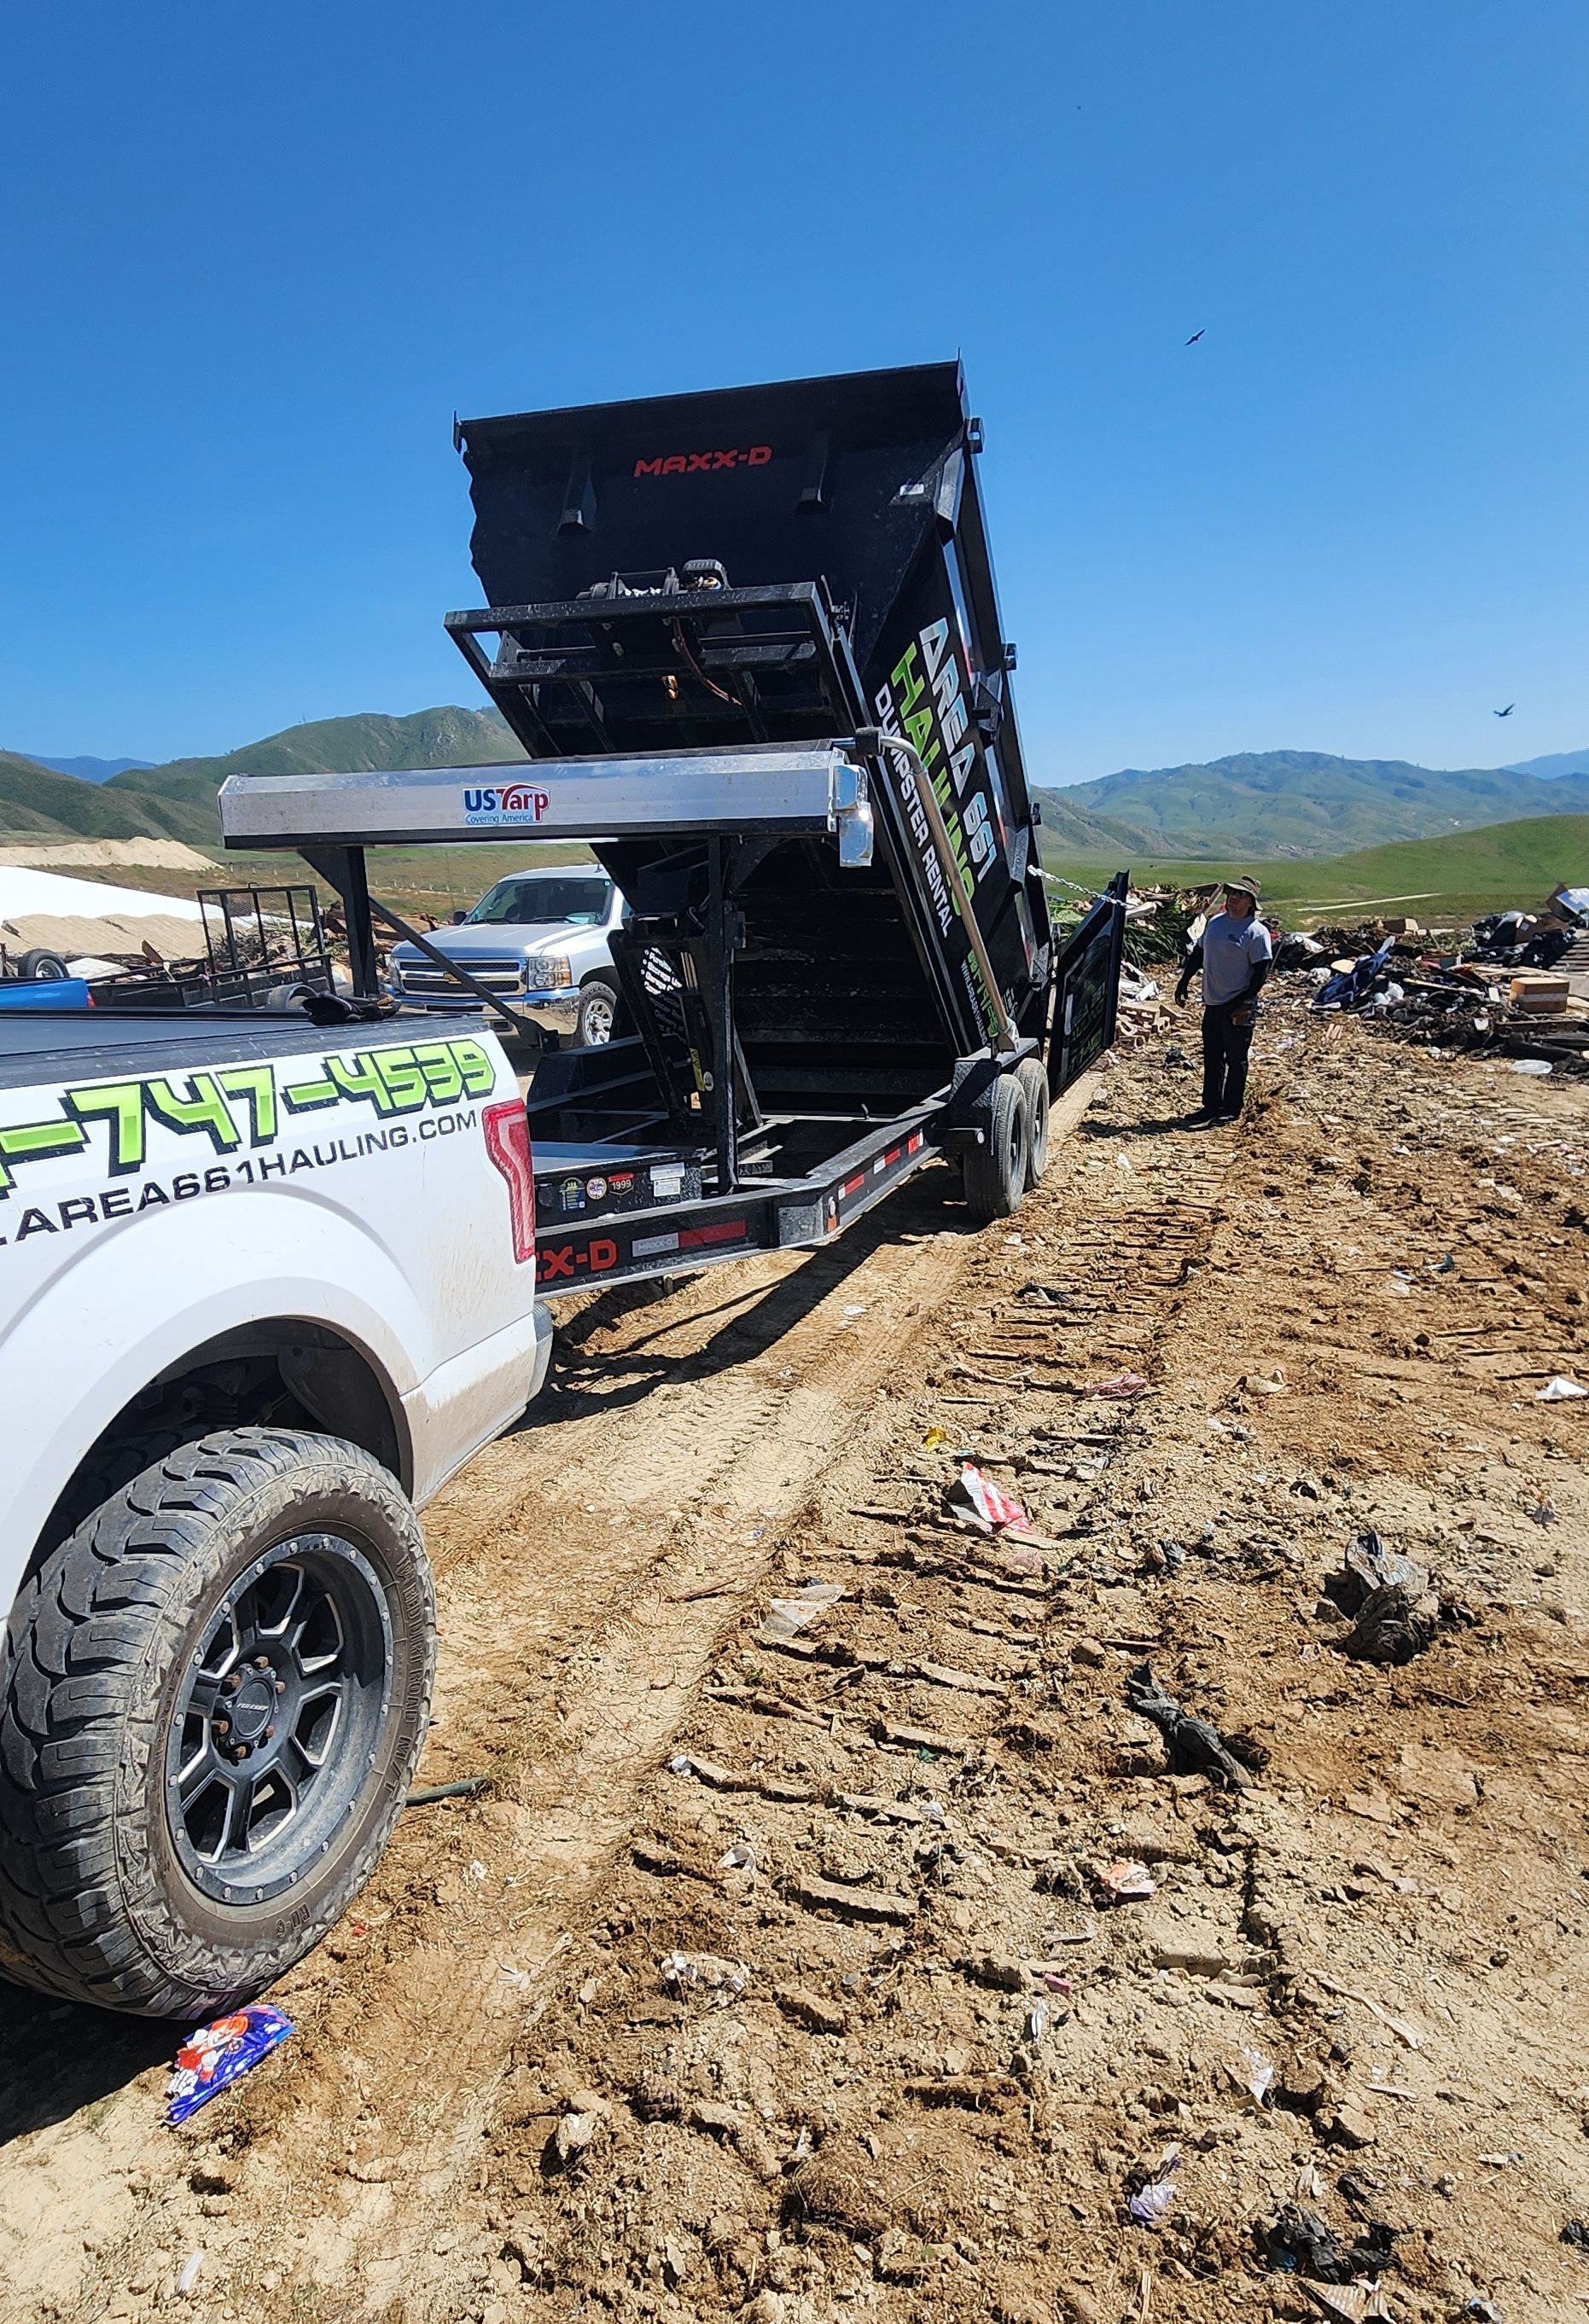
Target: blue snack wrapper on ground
(218,2055)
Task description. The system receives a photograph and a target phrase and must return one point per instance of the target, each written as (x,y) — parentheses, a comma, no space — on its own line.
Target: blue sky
(252,260)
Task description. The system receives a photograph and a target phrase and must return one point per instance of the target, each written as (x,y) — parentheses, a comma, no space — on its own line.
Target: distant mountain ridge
(87,770)
(1261,804)
(362,744)
(1278,804)
(1555,763)
(178,800)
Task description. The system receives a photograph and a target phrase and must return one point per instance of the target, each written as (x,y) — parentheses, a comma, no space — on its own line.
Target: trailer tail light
(507,1142)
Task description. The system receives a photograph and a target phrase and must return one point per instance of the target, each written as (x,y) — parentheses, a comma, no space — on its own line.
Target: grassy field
(1430,879)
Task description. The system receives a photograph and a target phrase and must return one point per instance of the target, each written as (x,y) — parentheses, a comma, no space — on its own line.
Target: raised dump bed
(751,644)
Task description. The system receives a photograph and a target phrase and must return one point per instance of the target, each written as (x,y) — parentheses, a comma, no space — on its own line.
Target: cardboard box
(1541,996)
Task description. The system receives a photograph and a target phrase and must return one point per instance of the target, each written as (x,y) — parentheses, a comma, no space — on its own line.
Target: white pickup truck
(542,937)
(263,1285)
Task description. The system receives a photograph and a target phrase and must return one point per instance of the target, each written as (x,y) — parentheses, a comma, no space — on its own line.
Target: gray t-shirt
(1231,950)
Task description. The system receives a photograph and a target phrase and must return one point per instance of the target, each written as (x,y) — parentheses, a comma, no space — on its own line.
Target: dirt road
(952,2049)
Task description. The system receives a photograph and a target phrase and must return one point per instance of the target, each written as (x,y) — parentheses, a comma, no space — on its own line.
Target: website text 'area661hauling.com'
(157,1139)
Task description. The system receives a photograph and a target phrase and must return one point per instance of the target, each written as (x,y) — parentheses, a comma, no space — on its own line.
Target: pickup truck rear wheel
(995,1171)
(212,1699)
(598,1009)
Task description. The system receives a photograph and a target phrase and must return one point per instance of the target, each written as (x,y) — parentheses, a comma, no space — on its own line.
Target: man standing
(1235,955)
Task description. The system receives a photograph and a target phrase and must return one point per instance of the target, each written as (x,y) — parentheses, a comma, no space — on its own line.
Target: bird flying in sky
(1195,336)
(1507,712)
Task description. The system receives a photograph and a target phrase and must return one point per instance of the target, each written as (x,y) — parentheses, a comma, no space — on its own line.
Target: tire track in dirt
(572,1541)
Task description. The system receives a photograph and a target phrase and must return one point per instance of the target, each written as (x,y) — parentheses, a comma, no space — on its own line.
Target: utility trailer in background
(751,644)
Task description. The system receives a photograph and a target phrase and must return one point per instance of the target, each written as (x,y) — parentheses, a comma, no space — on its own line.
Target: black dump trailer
(750,642)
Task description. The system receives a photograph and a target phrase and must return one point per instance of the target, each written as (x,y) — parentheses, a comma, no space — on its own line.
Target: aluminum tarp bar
(789,791)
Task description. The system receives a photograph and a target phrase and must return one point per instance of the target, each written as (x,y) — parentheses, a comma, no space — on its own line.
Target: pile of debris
(1509,987)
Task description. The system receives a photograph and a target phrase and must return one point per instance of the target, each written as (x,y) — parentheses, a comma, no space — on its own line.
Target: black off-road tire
(97,1671)
(1033,1078)
(599,1010)
(995,1171)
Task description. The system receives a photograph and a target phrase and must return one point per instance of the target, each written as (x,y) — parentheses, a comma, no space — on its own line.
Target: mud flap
(1086,988)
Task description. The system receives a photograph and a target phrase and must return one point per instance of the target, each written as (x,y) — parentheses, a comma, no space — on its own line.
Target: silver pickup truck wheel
(598,1009)
(212,1699)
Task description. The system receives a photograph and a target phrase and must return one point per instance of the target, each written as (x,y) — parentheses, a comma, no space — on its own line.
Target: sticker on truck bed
(245,1121)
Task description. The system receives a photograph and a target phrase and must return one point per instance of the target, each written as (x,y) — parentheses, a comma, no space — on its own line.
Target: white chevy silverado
(540,938)
(263,1286)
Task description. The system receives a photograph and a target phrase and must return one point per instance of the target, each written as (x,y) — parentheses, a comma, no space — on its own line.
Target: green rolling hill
(1452,878)
(38,804)
(363,744)
(1271,804)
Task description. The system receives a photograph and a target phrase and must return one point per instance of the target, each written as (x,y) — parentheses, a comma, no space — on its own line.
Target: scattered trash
(187,2274)
(1560,1390)
(468,1787)
(974,1495)
(1195,1746)
(1575,2232)
(1538,1067)
(737,1860)
(786,1617)
(1298,2242)
(1122,1385)
(1148,2200)
(210,2060)
(1395,1612)
(1259,2076)
(727,1979)
(1038,2020)
(1358,2303)
(1128,1882)
(1403,2029)
(934,1437)
(572,2136)
(1484,2310)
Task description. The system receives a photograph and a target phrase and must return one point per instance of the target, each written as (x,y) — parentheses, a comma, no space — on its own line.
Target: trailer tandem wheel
(996,1170)
(1032,1076)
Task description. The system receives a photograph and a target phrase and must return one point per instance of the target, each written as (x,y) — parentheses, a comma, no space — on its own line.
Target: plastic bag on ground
(1122,1385)
(1396,1611)
(219,2054)
(1298,2242)
(1195,1747)
(787,1617)
(974,1495)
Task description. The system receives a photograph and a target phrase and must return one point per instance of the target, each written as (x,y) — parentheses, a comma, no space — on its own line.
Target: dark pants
(1226,1045)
